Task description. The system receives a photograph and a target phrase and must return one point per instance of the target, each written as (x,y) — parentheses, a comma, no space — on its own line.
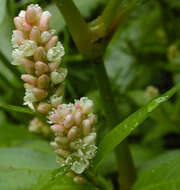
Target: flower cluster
(75,135)
(37,49)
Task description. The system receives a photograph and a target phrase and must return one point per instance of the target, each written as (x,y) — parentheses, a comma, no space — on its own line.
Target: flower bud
(77,117)
(43,81)
(90,139)
(57,128)
(72,134)
(46,35)
(18,21)
(54,118)
(28,65)
(87,107)
(35,34)
(44,108)
(86,127)
(33,13)
(26,27)
(68,122)
(44,21)
(40,54)
(62,153)
(29,79)
(62,140)
(17,38)
(41,68)
(40,94)
(53,66)
(51,43)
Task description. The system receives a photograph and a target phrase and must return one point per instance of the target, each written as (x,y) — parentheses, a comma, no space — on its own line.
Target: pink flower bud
(40,94)
(40,54)
(54,118)
(43,81)
(26,27)
(18,37)
(86,127)
(29,79)
(72,134)
(51,43)
(62,153)
(53,66)
(33,14)
(28,65)
(35,34)
(77,117)
(18,21)
(68,122)
(44,108)
(41,68)
(44,21)
(57,128)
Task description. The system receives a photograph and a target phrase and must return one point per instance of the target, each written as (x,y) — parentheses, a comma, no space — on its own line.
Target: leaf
(121,131)
(19,179)
(162,172)
(21,158)
(12,135)
(2,10)
(17,109)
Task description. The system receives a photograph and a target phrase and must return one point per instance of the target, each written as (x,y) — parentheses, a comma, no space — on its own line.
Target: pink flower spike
(44,21)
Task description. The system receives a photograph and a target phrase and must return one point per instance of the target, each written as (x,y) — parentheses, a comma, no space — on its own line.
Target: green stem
(126,168)
(77,26)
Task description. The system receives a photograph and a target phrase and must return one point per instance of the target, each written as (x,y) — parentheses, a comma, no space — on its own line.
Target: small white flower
(22,14)
(28,48)
(79,166)
(46,13)
(17,56)
(59,76)
(55,53)
(90,151)
(29,98)
(46,35)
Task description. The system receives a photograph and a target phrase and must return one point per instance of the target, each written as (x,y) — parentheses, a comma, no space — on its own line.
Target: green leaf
(162,172)
(121,131)
(12,135)
(19,179)
(2,10)
(21,158)
(17,109)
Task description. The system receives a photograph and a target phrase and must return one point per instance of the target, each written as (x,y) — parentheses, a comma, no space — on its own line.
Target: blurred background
(142,61)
